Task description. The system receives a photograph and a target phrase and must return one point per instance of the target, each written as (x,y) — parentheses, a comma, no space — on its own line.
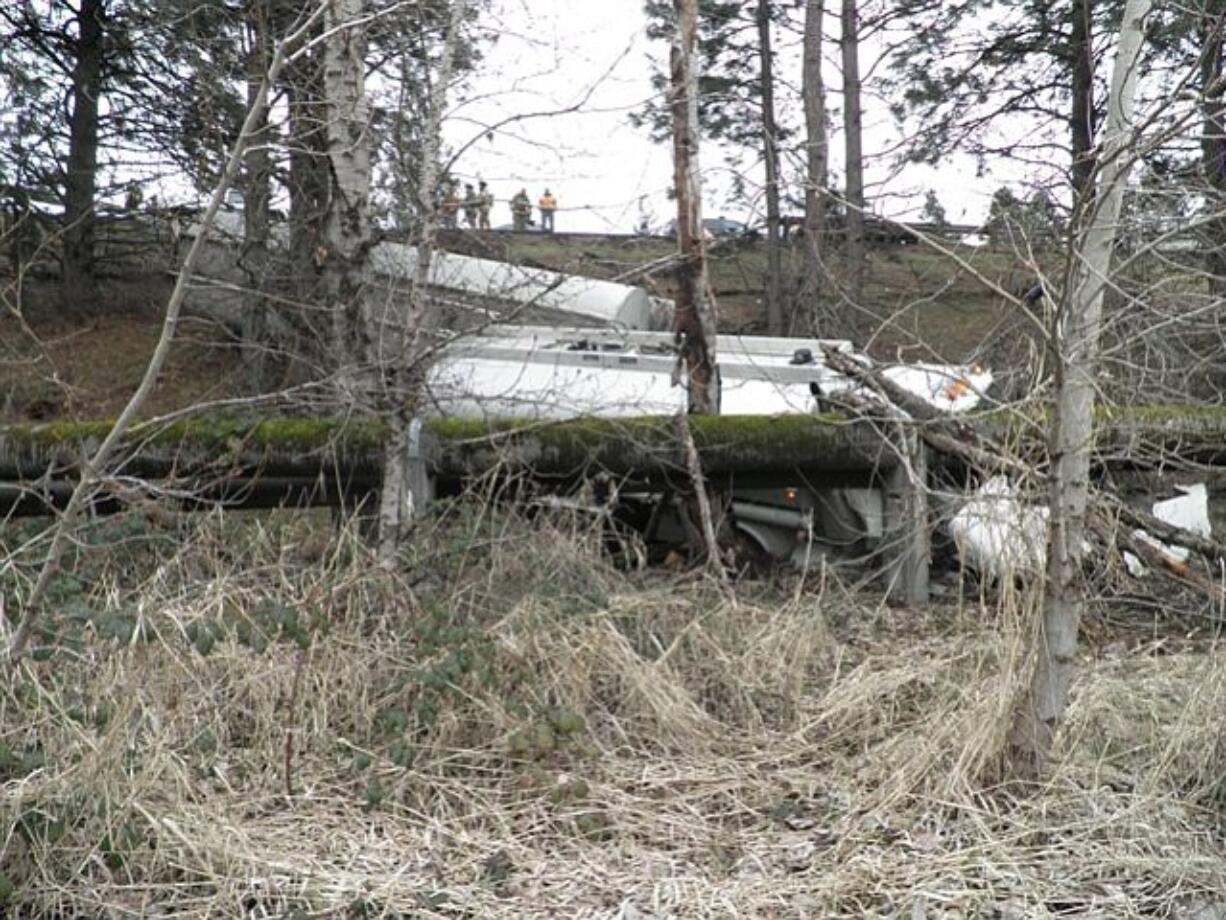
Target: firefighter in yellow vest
(548,204)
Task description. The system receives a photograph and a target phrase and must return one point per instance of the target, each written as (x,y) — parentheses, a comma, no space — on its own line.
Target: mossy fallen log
(348,455)
(1125,437)
(224,447)
(353,450)
(648,446)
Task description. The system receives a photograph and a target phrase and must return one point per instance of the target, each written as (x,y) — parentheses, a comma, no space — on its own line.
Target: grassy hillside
(916,304)
(912,297)
(245,715)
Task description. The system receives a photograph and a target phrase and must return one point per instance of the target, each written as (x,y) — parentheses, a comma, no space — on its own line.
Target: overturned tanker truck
(548,346)
(462,291)
(832,507)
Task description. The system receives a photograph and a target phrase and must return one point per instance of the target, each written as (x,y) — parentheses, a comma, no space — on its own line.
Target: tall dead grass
(508,726)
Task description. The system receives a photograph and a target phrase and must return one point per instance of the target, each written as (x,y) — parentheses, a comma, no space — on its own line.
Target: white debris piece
(997,534)
(1189,511)
(948,387)
(942,386)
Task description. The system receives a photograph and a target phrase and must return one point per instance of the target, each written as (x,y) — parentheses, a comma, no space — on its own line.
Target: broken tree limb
(989,459)
(945,433)
(1211,549)
(702,501)
(1120,430)
(892,392)
(1124,538)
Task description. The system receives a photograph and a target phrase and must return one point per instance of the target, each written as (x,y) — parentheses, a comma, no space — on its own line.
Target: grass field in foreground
(236,716)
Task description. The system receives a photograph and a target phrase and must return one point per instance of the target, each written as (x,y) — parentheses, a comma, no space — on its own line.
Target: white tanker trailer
(555,373)
(599,351)
(470,290)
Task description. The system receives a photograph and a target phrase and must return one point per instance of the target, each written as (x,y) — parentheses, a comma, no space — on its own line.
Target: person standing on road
(451,207)
(485,201)
(548,204)
(521,210)
(472,204)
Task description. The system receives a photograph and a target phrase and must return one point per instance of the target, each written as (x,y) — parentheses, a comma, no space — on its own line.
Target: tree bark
(347,224)
(256,195)
(81,172)
(308,171)
(817,152)
(694,320)
(770,154)
(852,131)
(405,374)
(1081,113)
(1076,335)
(1213,143)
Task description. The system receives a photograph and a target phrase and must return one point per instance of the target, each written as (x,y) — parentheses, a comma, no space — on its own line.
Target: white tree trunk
(403,378)
(1077,331)
(347,226)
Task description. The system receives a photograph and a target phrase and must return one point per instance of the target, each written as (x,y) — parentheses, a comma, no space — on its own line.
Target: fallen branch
(1162,561)
(960,438)
(941,431)
(1168,533)
(990,457)
(705,518)
(883,386)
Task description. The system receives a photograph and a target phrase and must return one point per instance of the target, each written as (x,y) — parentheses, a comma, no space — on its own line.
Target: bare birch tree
(347,225)
(403,379)
(1076,334)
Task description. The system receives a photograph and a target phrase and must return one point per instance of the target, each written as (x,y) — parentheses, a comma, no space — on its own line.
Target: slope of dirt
(916,305)
(88,367)
(915,300)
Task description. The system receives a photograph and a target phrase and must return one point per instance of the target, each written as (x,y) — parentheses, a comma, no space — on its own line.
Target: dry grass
(509,727)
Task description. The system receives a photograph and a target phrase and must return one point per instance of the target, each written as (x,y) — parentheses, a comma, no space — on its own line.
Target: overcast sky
(553,55)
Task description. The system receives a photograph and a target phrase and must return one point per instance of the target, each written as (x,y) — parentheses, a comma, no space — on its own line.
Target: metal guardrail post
(906,536)
(421,480)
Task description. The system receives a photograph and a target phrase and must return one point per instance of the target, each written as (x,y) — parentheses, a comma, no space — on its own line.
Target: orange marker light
(958,388)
